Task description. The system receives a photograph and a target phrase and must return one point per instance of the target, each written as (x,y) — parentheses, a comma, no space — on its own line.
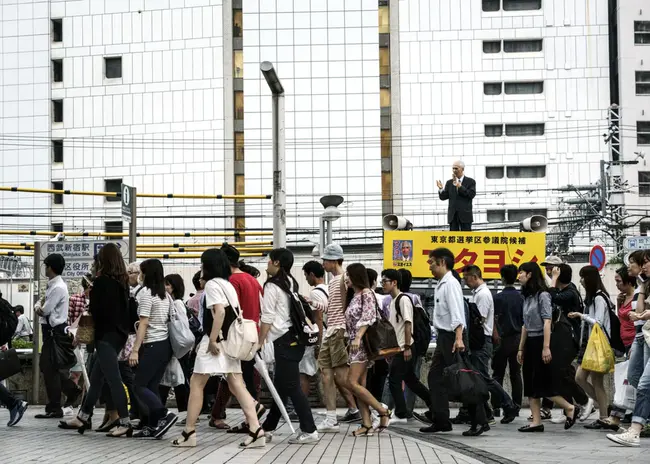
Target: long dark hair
(110,263)
(215,265)
(593,283)
(248,269)
(358,276)
(283,276)
(536,284)
(154,277)
(177,284)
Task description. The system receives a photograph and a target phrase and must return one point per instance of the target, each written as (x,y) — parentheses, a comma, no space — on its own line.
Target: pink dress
(362,311)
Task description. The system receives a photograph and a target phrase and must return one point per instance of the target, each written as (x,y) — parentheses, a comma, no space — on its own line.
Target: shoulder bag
(380,339)
(242,340)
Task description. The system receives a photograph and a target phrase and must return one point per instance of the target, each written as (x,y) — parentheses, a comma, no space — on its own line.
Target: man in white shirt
(449,322)
(24,327)
(482,357)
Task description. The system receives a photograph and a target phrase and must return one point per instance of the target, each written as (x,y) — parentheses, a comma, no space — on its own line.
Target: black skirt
(540,380)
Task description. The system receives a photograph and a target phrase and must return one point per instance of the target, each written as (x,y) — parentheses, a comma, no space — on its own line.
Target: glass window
(493,130)
(56,227)
(57,151)
(237,23)
(522,46)
(518,215)
(57,198)
(643,82)
(239,105)
(523,130)
(386,185)
(114,227)
(522,5)
(642,32)
(386,139)
(492,88)
(57,30)
(491,46)
(643,133)
(494,172)
(384,61)
(384,20)
(523,88)
(491,5)
(384,98)
(644,183)
(113,67)
(496,215)
(526,172)
(113,185)
(238,63)
(57,70)
(57,110)
(239,146)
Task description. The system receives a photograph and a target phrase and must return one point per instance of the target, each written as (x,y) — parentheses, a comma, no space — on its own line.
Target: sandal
(363,431)
(108,426)
(258,441)
(121,431)
(188,440)
(241,428)
(219,426)
(570,421)
(389,414)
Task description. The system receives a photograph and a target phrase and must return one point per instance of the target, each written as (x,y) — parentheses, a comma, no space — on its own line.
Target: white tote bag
(181,337)
(242,340)
(624,394)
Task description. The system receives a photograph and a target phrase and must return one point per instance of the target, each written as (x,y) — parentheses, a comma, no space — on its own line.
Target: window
(518,215)
(56,227)
(523,88)
(237,22)
(522,5)
(238,63)
(496,215)
(384,98)
(113,185)
(239,105)
(491,5)
(643,132)
(493,130)
(491,46)
(57,199)
(522,46)
(113,67)
(57,30)
(526,172)
(57,151)
(384,20)
(492,88)
(643,82)
(386,139)
(384,61)
(57,110)
(387,186)
(644,183)
(642,32)
(114,227)
(644,228)
(524,130)
(239,146)
(494,172)
(57,70)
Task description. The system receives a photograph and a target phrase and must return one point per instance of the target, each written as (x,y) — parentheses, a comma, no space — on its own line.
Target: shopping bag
(173,376)
(466,384)
(624,394)
(599,356)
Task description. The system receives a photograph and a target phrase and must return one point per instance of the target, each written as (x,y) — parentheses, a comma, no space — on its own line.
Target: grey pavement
(41,441)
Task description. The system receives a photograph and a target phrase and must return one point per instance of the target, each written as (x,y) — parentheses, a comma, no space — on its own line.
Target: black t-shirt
(508,311)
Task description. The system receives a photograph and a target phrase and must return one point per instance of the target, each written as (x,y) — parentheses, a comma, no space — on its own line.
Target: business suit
(459,213)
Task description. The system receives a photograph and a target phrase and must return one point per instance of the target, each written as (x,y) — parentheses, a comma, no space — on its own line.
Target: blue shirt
(509,311)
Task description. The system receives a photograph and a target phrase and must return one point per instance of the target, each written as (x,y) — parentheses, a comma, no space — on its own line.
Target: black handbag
(60,349)
(380,339)
(464,383)
(9,364)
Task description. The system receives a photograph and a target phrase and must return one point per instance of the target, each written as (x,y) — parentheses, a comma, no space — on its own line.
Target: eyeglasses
(385,281)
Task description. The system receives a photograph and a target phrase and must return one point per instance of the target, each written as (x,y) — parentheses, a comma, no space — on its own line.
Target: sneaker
(328,426)
(350,416)
(561,419)
(588,410)
(304,439)
(68,411)
(145,432)
(164,425)
(491,421)
(626,439)
(16,413)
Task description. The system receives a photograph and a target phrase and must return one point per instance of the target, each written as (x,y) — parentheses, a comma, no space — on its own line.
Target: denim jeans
(639,356)
(641,413)
(154,358)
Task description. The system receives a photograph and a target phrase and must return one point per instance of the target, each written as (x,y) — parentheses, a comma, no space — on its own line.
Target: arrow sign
(597,257)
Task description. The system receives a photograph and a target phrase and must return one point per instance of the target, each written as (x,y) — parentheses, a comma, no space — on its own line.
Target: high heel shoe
(121,431)
(188,440)
(67,426)
(256,442)
(108,426)
(86,425)
(389,414)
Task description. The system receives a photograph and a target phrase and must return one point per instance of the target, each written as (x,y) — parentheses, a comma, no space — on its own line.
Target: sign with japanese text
(488,250)
(78,255)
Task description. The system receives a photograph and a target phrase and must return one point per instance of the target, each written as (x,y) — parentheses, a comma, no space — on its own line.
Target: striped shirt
(335,309)
(157,311)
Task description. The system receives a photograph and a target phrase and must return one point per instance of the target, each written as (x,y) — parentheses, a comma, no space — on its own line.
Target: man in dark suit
(459,190)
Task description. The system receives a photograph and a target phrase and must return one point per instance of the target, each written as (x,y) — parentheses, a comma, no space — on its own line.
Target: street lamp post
(279,173)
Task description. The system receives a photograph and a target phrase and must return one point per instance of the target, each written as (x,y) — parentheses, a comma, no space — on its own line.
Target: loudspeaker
(393,222)
(534,224)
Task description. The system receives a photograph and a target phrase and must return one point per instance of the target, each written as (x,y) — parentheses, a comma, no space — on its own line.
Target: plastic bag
(173,376)
(625,394)
(268,353)
(599,356)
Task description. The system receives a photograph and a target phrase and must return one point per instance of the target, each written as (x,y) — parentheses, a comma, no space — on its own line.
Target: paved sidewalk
(41,441)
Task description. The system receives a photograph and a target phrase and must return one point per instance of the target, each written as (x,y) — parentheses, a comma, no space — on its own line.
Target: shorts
(308,365)
(334,351)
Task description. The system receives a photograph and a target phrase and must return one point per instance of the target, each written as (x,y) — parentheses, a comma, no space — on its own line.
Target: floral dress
(362,311)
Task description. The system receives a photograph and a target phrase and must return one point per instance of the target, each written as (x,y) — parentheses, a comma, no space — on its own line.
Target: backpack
(615,340)
(421,325)
(475,327)
(302,318)
(180,336)
(8,321)
(241,341)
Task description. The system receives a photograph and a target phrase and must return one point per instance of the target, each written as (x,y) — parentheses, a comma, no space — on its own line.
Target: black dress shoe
(49,415)
(476,431)
(532,428)
(424,418)
(509,415)
(435,428)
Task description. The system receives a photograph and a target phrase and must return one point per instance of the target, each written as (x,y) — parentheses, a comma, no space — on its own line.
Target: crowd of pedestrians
(538,326)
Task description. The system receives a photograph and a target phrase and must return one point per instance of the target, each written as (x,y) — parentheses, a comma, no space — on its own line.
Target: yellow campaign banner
(488,250)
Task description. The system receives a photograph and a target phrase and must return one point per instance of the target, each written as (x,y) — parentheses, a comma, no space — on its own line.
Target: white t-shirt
(406,309)
(220,291)
(157,311)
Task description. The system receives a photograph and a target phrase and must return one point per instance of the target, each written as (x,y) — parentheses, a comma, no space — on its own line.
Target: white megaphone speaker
(393,222)
(534,224)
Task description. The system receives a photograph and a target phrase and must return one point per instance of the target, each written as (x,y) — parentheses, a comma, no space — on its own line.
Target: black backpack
(302,320)
(615,340)
(421,325)
(8,322)
(475,331)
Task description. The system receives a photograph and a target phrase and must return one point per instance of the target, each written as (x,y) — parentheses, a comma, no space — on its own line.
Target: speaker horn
(534,224)
(393,222)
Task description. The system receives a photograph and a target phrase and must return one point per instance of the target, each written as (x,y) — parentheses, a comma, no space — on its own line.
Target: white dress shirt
(55,308)
(485,303)
(275,311)
(449,309)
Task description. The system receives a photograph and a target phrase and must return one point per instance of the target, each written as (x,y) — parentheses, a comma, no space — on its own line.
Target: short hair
(372,275)
(566,274)
(392,274)
(56,262)
(232,253)
(473,270)
(509,273)
(407,280)
(177,284)
(314,267)
(445,255)
(460,163)
(18,308)
(625,277)
(133,267)
(637,257)
(196,280)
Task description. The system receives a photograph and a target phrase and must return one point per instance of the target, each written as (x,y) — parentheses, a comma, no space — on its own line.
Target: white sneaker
(397,420)
(626,439)
(304,438)
(68,412)
(588,410)
(561,419)
(328,426)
